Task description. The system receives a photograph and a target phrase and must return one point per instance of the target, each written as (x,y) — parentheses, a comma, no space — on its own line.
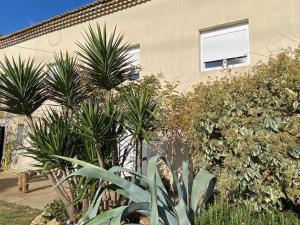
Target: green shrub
(221,213)
(247,130)
(55,210)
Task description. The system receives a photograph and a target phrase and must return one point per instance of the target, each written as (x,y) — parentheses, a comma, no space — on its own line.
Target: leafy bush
(55,210)
(221,213)
(248,130)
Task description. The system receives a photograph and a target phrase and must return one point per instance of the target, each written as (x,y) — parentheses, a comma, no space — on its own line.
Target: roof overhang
(86,13)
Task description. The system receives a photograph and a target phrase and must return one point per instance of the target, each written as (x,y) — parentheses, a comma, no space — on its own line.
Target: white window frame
(220,31)
(138,66)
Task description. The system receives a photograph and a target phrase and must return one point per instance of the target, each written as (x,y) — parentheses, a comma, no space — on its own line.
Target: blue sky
(17,14)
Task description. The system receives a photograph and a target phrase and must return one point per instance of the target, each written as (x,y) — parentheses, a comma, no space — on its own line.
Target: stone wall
(16,129)
(16,139)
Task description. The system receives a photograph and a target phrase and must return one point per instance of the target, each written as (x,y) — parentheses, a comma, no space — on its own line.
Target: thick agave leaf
(161,189)
(122,213)
(183,218)
(105,217)
(95,204)
(135,207)
(203,187)
(137,194)
(158,208)
(168,213)
(116,169)
(185,184)
(77,162)
(153,191)
(181,210)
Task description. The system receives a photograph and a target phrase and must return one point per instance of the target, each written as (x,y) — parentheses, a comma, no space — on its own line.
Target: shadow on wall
(175,153)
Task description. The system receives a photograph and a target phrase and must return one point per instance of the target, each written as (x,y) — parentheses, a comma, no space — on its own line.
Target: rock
(145,221)
(37,220)
(53,222)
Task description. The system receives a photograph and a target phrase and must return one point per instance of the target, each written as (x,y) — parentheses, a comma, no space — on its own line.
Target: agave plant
(105,59)
(151,200)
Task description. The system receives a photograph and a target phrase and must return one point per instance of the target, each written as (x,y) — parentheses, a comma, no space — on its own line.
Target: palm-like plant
(105,60)
(94,125)
(65,82)
(152,200)
(22,88)
(112,109)
(139,115)
(53,135)
(106,64)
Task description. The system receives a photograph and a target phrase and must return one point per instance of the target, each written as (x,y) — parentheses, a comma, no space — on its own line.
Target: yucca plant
(112,108)
(53,135)
(22,87)
(138,110)
(64,82)
(106,63)
(152,200)
(94,125)
(105,59)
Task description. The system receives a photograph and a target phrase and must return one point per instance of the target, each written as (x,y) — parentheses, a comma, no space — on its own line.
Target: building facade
(172,35)
(189,41)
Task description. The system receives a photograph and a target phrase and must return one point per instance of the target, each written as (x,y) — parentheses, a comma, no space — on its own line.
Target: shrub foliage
(223,214)
(55,210)
(247,130)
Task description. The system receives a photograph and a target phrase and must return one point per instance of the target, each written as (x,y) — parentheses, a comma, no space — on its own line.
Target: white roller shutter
(226,43)
(135,56)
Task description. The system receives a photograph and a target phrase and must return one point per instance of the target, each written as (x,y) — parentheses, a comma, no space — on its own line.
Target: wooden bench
(23,184)
(24,177)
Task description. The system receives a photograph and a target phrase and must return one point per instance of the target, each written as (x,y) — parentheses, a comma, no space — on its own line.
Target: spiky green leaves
(53,136)
(138,108)
(64,82)
(105,59)
(95,126)
(139,111)
(93,122)
(22,87)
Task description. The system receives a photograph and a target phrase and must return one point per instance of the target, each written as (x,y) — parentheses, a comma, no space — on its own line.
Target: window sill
(223,68)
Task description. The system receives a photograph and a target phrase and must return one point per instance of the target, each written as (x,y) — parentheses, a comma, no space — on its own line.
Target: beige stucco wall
(168,33)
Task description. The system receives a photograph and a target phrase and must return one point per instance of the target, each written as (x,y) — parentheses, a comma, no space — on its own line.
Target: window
(225,47)
(135,59)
